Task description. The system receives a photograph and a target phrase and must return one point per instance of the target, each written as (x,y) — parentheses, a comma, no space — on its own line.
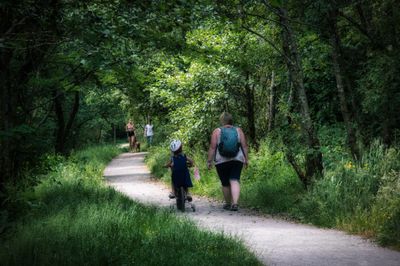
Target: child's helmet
(175,145)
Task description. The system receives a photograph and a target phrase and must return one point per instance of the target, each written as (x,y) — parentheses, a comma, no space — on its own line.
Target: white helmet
(175,145)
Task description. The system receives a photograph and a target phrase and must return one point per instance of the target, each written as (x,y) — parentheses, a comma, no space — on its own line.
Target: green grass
(71,218)
(360,198)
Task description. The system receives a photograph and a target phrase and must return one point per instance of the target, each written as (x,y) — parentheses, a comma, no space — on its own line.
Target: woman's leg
(235,191)
(226,191)
(131,142)
(223,173)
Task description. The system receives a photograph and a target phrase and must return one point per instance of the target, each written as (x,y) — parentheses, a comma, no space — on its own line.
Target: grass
(70,218)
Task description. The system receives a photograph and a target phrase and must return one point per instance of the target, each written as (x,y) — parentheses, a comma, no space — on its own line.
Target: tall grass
(361,198)
(71,218)
(269,184)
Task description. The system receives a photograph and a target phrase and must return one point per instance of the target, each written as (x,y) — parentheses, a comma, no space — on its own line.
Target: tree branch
(268,41)
(357,25)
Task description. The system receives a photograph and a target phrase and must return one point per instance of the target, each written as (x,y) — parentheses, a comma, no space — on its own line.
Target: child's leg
(188,196)
(172,193)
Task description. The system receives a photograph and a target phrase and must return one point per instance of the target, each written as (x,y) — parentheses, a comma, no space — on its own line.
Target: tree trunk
(64,129)
(114,133)
(58,109)
(17,62)
(272,107)
(314,156)
(5,121)
(250,110)
(336,60)
(99,136)
(72,115)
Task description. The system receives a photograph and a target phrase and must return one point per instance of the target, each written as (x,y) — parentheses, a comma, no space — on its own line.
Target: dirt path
(274,241)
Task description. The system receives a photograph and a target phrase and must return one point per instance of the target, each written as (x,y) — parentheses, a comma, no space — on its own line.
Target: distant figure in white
(148,133)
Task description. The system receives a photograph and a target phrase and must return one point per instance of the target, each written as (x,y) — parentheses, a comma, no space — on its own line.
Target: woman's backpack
(229,142)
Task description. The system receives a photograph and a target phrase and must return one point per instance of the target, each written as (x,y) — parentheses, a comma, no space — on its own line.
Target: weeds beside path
(275,242)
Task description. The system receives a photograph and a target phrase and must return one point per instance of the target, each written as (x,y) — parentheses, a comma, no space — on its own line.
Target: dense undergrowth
(67,216)
(362,198)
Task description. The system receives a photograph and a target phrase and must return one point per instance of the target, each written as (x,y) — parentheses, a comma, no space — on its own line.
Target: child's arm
(169,164)
(190,161)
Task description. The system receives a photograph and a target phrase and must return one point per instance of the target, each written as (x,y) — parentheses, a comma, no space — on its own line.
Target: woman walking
(229,152)
(130,130)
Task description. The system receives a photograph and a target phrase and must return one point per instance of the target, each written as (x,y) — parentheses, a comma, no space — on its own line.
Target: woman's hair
(226,119)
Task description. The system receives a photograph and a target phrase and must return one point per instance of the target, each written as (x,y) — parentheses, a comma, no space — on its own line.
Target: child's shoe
(189,197)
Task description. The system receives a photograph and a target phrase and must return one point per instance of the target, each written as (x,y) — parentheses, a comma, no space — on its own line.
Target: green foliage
(73,219)
(361,198)
(156,159)
(270,184)
(378,87)
(191,95)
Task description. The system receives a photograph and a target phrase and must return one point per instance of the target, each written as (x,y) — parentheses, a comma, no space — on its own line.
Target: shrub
(270,184)
(361,198)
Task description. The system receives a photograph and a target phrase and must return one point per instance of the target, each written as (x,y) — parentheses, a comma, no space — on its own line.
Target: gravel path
(274,241)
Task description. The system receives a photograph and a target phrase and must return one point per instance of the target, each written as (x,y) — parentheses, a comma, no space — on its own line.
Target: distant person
(130,130)
(148,133)
(229,151)
(179,164)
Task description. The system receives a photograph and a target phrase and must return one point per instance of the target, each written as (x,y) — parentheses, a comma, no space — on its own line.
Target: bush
(361,198)
(270,184)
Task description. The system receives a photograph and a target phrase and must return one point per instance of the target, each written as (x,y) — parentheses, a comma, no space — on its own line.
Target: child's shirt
(180,171)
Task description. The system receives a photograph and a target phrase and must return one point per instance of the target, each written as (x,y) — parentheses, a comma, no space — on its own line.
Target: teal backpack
(229,145)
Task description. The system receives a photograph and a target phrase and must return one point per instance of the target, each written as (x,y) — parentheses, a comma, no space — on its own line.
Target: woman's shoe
(234,207)
(226,206)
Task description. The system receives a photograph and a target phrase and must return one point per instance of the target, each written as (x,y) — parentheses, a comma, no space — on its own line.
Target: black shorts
(131,134)
(229,171)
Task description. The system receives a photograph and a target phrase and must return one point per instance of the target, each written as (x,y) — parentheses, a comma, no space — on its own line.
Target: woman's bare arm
(213,146)
(245,147)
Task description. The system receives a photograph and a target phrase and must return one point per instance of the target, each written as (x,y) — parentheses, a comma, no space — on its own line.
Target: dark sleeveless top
(180,171)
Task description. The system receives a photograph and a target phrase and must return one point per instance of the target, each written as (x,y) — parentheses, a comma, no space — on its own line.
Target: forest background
(313,84)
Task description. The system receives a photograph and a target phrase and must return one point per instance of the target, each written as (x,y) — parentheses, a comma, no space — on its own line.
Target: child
(179,166)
